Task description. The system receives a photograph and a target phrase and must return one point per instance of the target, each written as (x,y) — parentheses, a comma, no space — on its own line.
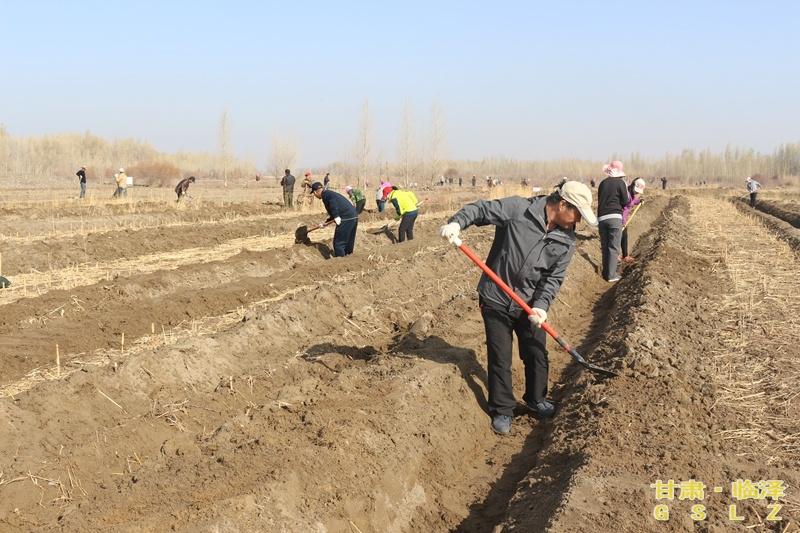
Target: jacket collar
(537,213)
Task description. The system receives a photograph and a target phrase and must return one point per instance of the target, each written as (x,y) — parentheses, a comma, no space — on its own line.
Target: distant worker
(663,183)
(592,183)
(635,191)
(307,182)
(82,180)
(561,182)
(287,183)
(752,187)
(612,197)
(327,181)
(473,180)
(121,179)
(182,188)
(380,201)
(405,204)
(534,243)
(357,197)
(460,181)
(305,193)
(342,213)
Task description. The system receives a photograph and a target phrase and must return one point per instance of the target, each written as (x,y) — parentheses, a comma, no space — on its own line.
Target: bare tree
(406,148)
(224,140)
(438,142)
(283,155)
(364,147)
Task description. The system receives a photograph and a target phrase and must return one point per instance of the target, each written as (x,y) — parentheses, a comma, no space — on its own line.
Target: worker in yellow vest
(405,203)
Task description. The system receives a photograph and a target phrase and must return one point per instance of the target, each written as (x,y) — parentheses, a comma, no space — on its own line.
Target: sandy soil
(282,391)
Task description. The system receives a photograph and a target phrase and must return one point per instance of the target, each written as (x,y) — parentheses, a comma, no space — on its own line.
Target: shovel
(525,307)
(635,209)
(301,233)
(382,229)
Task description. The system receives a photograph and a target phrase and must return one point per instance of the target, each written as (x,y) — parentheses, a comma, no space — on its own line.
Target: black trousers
(500,326)
(344,238)
(406,228)
(624,242)
(753,199)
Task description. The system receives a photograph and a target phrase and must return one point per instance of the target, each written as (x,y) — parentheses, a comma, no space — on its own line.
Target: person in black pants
(405,204)
(499,326)
(82,180)
(343,214)
(752,188)
(182,188)
(534,242)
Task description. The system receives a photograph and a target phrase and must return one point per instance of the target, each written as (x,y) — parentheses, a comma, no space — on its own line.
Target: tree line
(28,159)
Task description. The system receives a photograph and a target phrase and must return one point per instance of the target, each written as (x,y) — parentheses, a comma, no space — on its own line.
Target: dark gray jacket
(531,260)
(287,182)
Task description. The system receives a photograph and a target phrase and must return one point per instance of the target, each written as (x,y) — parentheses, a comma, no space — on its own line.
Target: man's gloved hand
(338,220)
(538,317)
(450,231)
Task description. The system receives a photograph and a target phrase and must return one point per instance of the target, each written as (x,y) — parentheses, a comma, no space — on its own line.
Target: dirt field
(191,368)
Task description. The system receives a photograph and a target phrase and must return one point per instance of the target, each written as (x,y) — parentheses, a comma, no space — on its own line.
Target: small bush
(154,173)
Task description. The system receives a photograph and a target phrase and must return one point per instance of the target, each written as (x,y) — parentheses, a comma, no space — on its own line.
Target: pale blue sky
(521,79)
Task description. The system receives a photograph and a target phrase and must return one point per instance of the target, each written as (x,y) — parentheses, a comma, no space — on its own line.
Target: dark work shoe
(542,409)
(501,424)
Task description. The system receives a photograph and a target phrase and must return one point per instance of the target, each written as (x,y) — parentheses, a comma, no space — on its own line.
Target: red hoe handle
(525,307)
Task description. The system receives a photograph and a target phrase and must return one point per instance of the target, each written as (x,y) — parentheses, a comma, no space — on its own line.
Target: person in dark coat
(183,186)
(82,180)
(342,213)
(287,184)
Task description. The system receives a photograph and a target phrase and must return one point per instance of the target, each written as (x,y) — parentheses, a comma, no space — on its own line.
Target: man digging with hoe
(533,244)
